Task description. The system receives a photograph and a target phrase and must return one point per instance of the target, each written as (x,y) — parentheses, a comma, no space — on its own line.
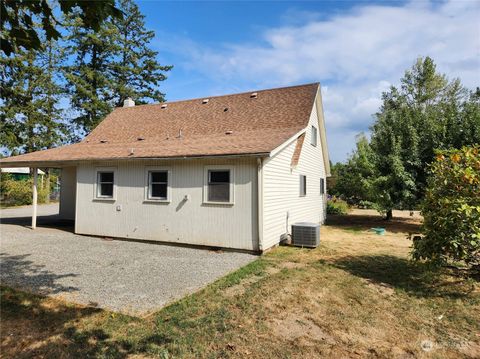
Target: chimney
(128,102)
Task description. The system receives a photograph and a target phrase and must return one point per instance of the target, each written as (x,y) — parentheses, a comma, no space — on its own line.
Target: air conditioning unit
(305,234)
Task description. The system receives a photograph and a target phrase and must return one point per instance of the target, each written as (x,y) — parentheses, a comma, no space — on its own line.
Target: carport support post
(34,199)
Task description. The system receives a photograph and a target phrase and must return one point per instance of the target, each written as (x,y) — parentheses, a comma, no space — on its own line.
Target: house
(231,171)
(20,173)
(17,174)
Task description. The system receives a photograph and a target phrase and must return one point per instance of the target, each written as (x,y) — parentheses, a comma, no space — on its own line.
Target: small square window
(218,186)
(314,136)
(158,185)
(105,182)
(303,186)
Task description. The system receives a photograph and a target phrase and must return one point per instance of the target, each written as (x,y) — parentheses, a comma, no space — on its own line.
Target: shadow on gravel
(18,271)
(52,221)
(401,274)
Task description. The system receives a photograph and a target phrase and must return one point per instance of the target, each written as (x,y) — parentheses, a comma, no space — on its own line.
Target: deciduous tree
(451,209)
(428,112)
(353,177)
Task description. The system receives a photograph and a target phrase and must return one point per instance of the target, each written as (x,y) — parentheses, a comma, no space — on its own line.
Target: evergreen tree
(23,23)
(111,65)
(30,117)
(89,77)
(136,72)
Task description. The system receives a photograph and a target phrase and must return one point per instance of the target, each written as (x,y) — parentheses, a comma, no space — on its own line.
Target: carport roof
(249,123)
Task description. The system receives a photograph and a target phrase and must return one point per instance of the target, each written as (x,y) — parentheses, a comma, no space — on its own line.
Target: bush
(336,206)
(451,209)
(19,192)
(366,205)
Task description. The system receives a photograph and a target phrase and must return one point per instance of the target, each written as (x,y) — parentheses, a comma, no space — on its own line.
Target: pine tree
(89,76)
(25,24)
(111,65)
(30,117)
(137,73)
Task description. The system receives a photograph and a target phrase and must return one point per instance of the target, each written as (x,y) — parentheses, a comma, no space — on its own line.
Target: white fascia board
(278,149)
(323,132)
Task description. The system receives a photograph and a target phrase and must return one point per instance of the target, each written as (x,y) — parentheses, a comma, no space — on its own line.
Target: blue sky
(355,50)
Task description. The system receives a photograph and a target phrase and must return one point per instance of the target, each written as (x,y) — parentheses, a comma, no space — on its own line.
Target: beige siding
(68,187)
(282,204)
(180,221)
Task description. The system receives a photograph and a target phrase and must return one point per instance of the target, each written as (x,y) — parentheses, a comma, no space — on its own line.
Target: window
(314,136)
(105,183)
(322,186)
(157,184)
(218,185)
(303,185)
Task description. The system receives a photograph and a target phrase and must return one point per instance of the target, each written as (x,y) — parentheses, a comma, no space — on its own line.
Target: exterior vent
(128,102)
(103,141)
(205,100)
(163,106)
(229,132)
(140,138)
(305,234)
(253,95)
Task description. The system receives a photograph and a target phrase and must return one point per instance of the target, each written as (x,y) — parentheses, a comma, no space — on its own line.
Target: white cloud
(355,55)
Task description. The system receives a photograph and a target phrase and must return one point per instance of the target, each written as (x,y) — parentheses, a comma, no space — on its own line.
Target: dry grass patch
(357,295)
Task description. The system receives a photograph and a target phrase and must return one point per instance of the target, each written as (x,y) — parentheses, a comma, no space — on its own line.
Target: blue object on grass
(379,231)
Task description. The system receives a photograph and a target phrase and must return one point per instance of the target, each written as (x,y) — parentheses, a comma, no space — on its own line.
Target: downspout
(260,202)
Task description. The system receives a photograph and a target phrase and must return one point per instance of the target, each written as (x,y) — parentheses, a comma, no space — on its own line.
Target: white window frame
(231,187)
(96,195)
(314,136)
(300,185)
(149,198)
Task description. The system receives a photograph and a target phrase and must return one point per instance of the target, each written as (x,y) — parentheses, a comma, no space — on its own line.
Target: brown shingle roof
(226,125)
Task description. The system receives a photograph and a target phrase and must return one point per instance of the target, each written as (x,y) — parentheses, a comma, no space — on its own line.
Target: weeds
(356,295)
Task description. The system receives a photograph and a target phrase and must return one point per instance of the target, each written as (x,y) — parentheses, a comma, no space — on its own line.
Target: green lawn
(357,295)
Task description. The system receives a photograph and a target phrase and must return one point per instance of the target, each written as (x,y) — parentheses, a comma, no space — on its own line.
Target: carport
(67,187)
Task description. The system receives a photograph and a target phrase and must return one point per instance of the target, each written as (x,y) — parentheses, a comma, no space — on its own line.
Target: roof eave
(73,162)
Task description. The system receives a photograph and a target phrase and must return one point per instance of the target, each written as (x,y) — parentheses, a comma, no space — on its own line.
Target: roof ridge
(218,96)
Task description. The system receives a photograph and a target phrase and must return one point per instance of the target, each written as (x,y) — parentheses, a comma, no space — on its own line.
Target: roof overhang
(322,131)
(19,170)
(74,162)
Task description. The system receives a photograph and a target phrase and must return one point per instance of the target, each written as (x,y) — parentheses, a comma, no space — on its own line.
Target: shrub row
(19,192)
(336,205)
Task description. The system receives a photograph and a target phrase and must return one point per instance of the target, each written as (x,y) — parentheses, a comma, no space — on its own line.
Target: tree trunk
(389,215)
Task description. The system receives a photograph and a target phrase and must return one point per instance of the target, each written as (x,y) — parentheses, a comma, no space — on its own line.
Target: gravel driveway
(131,277)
